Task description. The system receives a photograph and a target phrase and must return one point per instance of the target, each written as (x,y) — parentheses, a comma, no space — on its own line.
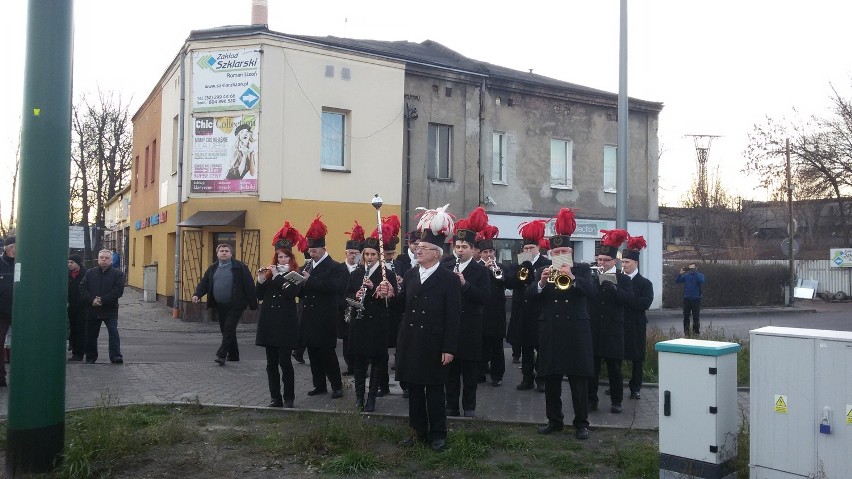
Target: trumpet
(561,280)
(495,270)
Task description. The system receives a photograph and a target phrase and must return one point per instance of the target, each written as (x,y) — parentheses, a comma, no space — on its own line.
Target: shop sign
(152,220)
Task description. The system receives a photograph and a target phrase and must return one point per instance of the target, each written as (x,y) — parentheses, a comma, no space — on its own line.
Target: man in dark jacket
(428,339)
(99,290)
(692,282)
(493,318)
(76,309)
(229,287)
(635,320)
(7,272)
(473,278)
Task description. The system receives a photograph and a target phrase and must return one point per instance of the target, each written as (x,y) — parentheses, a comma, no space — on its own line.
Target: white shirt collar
(373,267)
(351,267)
(413,258)
(536,258)
(611,270)
(463,265)
(425,273)
(320,260)
(635,272)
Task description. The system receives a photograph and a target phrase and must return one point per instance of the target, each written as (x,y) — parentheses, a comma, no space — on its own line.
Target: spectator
(76,309)
(692,281)
(100,289)
(7,272)
(116,260)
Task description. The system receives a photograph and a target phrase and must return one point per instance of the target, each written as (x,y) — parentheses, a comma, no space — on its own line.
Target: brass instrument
(561,280)
(523,272)
(496,271)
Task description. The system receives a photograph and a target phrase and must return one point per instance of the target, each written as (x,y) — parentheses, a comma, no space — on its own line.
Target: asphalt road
(740,325)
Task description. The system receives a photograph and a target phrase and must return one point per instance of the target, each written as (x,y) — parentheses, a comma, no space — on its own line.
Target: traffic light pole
(36,419)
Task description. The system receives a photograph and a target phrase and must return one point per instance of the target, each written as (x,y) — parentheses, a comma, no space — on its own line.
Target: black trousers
(636,376)
(348,357)
(516,351)
(384,377)
(426,413)
(692,306)
(462,378)
(77,331)
(278,358)
(493,360)
(616,380)
(5,323)
(579,399)
(529,361)
(229,316)
(378,368)
(324,365)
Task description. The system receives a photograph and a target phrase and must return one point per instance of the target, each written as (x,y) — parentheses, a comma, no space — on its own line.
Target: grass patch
(353,463)
(654,335)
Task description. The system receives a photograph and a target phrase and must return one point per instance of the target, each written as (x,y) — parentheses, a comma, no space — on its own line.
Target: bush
(729,285)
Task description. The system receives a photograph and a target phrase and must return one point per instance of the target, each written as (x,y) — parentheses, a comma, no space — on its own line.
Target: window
(175,143)
(561,175)
(498,158)
(333,140)
(136,174)
(147,165)
(153,161)
(438,154)
(609,168)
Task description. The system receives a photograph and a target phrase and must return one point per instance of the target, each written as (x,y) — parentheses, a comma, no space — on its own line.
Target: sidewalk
(243,384)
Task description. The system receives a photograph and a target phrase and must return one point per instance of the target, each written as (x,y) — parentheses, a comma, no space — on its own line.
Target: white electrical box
(801,403)
(698,408)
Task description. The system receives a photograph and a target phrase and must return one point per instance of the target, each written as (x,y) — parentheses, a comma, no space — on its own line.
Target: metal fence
(830,279)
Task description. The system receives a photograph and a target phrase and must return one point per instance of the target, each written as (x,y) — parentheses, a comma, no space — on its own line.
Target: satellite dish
(785,247)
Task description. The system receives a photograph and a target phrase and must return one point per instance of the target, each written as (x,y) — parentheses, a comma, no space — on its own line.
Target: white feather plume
(437,220)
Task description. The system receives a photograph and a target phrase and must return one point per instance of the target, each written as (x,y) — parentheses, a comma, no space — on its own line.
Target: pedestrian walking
(100,289)
(692,282)
(76,309)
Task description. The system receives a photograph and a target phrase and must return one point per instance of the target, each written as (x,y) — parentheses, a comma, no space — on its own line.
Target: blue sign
(249,98)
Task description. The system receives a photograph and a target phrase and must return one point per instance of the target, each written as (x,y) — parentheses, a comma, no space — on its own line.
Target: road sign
(785,247)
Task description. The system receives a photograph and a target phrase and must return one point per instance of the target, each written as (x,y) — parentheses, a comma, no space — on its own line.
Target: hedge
(729,285)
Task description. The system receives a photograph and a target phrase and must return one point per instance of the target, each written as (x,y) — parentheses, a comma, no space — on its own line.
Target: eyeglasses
(425,248)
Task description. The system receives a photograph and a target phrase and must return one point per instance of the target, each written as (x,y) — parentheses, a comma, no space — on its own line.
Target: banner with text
(224,154)
(226,80)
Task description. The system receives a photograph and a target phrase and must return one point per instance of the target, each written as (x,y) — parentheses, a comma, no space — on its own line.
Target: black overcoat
(523,323)
(494,312)
(474,296)
(564,329)
(368,335)
(320,297)
(429,327)
(635,321)
(278,323)
(607,312)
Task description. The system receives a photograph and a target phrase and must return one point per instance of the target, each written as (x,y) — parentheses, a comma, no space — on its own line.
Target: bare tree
(7,228)
(101,156)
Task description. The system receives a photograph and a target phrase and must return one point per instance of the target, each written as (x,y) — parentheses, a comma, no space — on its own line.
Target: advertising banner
(224,154)
(225,80)
(841,257)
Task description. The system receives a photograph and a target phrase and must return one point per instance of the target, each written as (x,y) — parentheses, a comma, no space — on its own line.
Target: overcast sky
(718,66)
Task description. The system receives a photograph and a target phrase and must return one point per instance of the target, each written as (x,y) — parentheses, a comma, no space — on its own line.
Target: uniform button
(423,312)
(421,327)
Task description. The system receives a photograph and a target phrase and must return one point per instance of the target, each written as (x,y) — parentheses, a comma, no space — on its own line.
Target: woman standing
(278,326)
(368,331)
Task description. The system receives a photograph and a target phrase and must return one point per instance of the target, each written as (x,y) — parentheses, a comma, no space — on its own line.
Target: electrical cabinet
(698,408)
(800,404)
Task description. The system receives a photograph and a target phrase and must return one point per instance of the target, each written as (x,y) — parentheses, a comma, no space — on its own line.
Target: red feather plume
(489,232)
(565,222)
(462,224)
(303,244)
(357,233)
(477,220)
(318,229)
(286,232)
(393,222)
(544,243)
(637,243)
(614,238)
(532,230)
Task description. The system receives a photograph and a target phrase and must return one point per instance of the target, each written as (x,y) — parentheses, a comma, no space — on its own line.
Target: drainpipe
(481,199)
(181,123)
(410,115)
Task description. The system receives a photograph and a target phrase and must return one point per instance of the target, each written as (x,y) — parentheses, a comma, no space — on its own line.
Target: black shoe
(582,433)
(317,391)
(276,403)
(75,358)
(540,387)
(382,392)
(550,428)
(348,372)
(606,391)
(300,358)
(615,409)
(220,360)
(497,383)
(370,405)
(438,445)
(452,412)
(117,361)
(516,360)
(405,393)
(233,359)
(91,361)
(469,413)
(288,403)
(481,379)
(359,403)
(337,394)
(593,406)
(635,395)
(524,385)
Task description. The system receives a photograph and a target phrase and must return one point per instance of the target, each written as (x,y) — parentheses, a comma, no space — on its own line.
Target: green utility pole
(36,420)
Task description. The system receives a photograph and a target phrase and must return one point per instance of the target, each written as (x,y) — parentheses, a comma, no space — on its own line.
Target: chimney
(259,12)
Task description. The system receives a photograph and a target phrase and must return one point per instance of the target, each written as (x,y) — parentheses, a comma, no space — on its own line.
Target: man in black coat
(100,289)
(76,309)
(320,297)
(401,264)
(635,320)
(607,313)
(493,318)
(473,278)
(523,324)
(428,340)
(565,338)
(7,273)
(229,287)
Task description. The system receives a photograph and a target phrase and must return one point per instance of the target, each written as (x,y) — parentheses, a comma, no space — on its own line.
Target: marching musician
(428,334)
(368,328)
(565,335)
(390,239)
(353,249)
(494,310)
(321,294)
(607,312)
(635,320)
(523,323)
(473,278)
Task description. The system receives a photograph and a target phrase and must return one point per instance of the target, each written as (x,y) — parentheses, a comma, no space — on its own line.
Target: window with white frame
(333,146)
(561,152)
(609,168)
(498,158)
(439,161)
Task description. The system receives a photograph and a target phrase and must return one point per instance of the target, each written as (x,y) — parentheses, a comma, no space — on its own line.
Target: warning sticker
(849,414)
(781,404)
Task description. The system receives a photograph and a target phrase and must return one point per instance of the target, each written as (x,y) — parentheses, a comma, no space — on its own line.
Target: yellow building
(269,128)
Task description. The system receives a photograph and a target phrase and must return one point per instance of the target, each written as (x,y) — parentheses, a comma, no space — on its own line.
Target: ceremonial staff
(377,204)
